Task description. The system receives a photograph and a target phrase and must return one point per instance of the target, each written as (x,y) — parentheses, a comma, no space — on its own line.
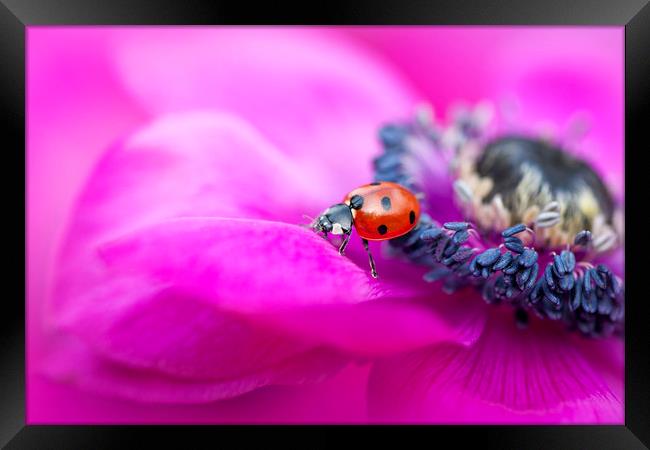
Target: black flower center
(529,174)
(507,160)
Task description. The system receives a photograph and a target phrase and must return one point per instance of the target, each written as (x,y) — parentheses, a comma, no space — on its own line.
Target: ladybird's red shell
(389,210)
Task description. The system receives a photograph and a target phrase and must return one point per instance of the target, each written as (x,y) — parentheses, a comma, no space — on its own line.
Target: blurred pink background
(85,92)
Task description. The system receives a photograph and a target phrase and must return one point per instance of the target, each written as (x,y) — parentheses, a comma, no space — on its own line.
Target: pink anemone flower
(187,272)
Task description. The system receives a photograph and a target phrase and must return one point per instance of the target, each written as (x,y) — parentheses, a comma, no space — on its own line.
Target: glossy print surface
(389,210)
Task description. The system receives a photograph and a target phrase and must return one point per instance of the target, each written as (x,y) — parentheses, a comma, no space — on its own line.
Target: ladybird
(378,211)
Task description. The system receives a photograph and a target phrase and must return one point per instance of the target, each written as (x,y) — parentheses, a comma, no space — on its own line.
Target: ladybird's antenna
(312,222)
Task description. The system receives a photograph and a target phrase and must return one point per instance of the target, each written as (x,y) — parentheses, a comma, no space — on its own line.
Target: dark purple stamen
(508,232)
(456,226)
(515,244)
(504,261)
(586,302)
(583,238)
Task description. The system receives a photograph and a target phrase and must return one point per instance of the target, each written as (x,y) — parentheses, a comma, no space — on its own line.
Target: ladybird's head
(337,219)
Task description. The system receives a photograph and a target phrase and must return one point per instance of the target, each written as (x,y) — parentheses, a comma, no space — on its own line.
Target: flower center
(539,219)
(517,179)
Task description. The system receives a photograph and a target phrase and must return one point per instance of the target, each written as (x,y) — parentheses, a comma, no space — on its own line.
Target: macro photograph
(325,225)
(376,217)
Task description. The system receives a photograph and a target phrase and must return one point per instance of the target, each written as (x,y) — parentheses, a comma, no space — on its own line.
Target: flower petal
(175,296)
(408,312)
(74,363)
(192,164)
(339,399)
(314,95)
(76,106)
(538,375)
(323,296)
(211,297)
(245,265)
(385,326)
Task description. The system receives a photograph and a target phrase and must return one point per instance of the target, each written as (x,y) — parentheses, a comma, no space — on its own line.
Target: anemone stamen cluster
(537,217)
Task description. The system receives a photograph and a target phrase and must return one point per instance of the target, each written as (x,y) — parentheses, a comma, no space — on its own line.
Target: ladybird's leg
(373,269)
(344,244)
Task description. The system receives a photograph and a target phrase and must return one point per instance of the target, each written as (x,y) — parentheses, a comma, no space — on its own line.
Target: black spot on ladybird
(385,203)
(376,183)
(412,216)
(383,229)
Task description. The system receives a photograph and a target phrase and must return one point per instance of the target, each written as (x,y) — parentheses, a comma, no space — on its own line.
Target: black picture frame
(15,15)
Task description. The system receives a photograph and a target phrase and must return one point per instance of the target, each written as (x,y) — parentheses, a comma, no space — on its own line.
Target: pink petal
(386,326)
(76,106)
(248,265)
(407,313)
(71,362)
(311,93)
(212,298)
(177,297)
(339,399)
(447,64)
(538,375)
(324,296)
(193,164)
